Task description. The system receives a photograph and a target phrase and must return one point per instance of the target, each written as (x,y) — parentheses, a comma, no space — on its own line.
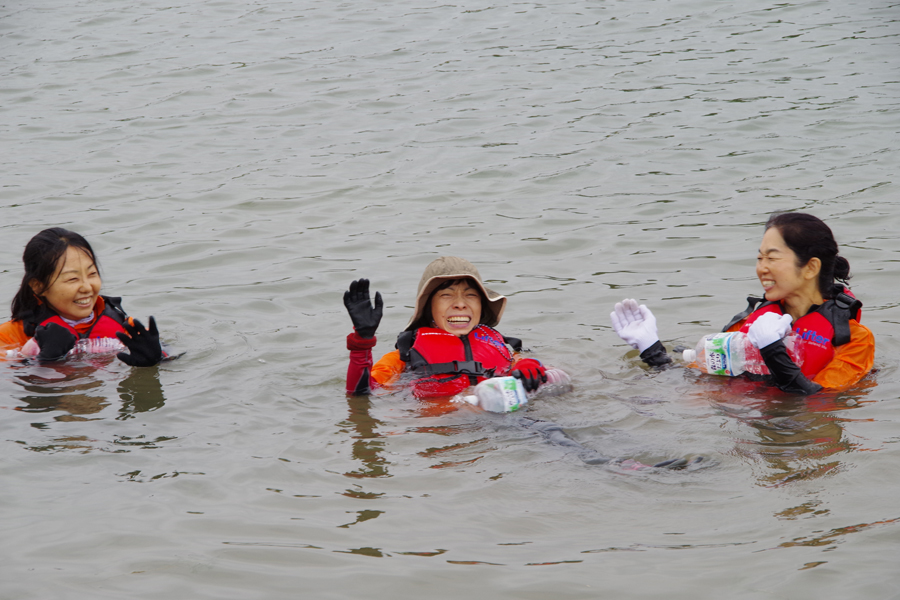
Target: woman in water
(450,342)
(59,302)
(798,265)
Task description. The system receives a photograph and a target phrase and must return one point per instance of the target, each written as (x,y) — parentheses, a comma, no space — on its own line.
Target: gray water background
(237,164)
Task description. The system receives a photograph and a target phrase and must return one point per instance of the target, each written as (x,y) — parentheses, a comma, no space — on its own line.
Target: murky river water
(237,164)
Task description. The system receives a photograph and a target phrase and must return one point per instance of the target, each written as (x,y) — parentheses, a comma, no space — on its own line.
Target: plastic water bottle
(97,346)
(81,347)
(507,394)
(558,383)
(498,394)
(733,353)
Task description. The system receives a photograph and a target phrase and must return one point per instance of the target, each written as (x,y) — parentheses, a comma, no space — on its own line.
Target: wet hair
(41,259)
(427,318)
(809,237)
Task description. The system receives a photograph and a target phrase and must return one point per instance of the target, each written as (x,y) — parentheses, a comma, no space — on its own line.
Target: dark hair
(41,257)
(810,237)
(427,318)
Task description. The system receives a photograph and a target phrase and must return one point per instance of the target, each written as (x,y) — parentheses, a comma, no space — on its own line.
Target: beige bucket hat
(452,267)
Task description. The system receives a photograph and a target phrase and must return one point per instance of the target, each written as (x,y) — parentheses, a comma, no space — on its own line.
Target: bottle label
(719,359)
(513,399)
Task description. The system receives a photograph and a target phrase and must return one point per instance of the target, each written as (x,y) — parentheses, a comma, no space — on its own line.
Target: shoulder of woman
(12,334)
(860,333)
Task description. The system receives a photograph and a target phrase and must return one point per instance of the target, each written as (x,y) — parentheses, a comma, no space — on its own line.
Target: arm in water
(555,434)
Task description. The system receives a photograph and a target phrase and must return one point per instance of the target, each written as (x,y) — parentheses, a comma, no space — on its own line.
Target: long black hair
(809,237)
(41,257)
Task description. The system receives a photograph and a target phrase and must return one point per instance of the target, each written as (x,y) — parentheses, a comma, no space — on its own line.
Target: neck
(798,305)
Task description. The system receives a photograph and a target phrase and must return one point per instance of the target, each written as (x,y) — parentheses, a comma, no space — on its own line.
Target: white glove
(634,324)
(769,328)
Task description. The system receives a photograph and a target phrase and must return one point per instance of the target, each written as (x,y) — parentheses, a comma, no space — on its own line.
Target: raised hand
(635,324)
(365,317)
(143,344)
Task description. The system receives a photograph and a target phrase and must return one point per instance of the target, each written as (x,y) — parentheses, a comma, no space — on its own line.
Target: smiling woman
(798,266)
(59,303)
(449,343)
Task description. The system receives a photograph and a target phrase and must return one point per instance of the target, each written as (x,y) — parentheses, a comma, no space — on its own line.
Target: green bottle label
(719,359)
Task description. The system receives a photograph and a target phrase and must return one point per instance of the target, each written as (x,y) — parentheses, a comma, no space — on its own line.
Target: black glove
(531,372)
(785,372)
(365,318)
(143,344)
(54,340)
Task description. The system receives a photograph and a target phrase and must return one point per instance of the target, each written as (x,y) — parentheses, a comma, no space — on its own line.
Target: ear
(36,287)
(812,268)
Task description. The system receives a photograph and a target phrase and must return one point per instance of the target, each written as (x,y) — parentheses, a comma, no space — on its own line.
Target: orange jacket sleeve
(388,368)
(12,336)
(852,361)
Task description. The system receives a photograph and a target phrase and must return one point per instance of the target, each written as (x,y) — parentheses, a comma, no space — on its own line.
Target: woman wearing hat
(449,343)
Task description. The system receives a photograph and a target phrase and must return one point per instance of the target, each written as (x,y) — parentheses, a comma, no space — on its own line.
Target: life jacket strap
(404,342)
(459,367)
(839,311)
(752,301)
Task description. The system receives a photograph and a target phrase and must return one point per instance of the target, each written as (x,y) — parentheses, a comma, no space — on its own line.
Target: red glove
(531,372)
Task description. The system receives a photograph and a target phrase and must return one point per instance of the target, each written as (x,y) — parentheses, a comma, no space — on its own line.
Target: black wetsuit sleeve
(785,372)
(656,356)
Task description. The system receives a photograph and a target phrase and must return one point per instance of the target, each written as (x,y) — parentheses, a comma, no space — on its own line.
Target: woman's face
(457,309)
(75,285)
(777,270)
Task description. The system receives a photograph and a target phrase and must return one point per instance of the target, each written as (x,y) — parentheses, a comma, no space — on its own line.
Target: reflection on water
(140,392)
(367,445)
(796,438)
(362,516)
(831,538)
(78,389)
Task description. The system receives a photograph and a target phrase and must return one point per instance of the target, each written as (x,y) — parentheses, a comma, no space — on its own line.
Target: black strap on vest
(114,309)
(514,343)
(459,367)
(404,342)
(839,310)
(752,301)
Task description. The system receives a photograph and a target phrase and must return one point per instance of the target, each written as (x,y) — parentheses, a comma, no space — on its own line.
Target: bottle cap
(689,355)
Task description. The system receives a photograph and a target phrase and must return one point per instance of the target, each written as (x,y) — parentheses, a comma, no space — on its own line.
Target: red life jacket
(450,363)
(821,330)
(106,325)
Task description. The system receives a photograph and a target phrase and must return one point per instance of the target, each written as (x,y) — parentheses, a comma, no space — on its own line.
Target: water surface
(236,165)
